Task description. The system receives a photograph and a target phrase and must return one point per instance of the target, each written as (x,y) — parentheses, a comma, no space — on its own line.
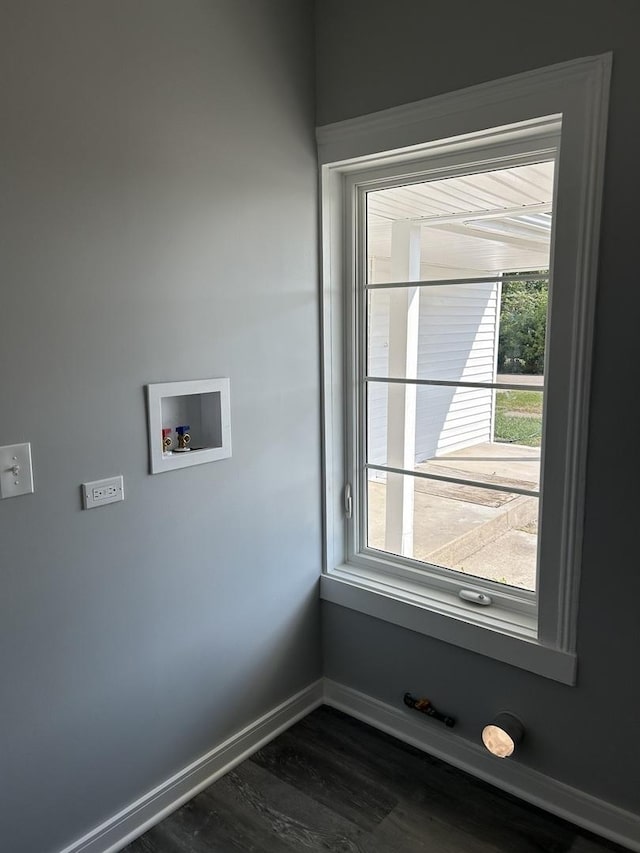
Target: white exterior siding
(457,340)
(458,330)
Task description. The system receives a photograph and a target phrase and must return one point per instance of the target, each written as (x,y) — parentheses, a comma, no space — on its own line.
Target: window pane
(523,328)
(470,332)
(461,226)
(518,418)
(465,433)
(470,530)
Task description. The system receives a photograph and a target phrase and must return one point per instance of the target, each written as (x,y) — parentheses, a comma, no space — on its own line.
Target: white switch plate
(101,492)
(16,475)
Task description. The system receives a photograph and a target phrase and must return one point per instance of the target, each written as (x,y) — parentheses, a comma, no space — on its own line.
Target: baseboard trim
(116,832)
(573,805)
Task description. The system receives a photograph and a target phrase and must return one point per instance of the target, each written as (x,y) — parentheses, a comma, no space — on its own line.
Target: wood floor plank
(258,798)
(588,843)
(328,776)
(409,829)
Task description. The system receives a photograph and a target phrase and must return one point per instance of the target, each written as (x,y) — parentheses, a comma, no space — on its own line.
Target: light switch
(16,476)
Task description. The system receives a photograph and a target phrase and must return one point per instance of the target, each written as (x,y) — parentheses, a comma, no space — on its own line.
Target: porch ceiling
(485,223)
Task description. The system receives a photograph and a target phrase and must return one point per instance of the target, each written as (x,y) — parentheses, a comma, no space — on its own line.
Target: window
(459,273)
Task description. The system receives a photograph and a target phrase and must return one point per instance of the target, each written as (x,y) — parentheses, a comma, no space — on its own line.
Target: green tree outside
(523,323)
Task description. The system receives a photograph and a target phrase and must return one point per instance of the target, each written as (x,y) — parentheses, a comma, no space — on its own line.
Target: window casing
(532,630)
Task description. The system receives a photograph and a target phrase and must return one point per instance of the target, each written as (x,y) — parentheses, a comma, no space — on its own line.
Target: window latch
(348,501)
(475,597)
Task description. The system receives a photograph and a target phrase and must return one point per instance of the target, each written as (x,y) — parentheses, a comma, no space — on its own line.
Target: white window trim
(578,92)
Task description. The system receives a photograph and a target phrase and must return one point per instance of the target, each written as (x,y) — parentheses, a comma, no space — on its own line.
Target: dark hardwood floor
(332,783)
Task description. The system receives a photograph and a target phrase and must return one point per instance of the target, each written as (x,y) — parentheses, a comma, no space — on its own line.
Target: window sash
(356,188)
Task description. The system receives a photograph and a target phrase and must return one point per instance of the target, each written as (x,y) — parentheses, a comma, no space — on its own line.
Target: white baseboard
(116,832)
(569,803)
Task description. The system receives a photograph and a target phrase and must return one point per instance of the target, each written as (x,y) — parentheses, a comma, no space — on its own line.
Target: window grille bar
(446,383)
(514,490)
(477,280)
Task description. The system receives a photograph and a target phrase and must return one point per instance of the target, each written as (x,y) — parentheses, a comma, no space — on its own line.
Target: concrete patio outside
(480,532)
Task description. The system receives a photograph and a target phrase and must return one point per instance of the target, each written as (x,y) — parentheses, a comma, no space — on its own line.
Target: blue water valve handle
(181,430)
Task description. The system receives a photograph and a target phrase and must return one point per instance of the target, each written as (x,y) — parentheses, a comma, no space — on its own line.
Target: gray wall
(158,222)
(375,54)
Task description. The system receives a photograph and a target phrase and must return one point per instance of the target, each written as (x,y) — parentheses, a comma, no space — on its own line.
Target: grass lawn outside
(518,417)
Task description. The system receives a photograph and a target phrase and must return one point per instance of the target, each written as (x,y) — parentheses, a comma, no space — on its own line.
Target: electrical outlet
(101,492)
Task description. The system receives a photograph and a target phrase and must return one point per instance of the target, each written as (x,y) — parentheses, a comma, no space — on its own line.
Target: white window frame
(510,121)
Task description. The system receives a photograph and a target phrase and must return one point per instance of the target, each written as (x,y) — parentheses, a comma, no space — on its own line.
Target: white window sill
(486,631)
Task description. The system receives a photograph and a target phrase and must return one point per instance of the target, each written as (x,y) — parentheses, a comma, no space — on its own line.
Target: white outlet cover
(101,492)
